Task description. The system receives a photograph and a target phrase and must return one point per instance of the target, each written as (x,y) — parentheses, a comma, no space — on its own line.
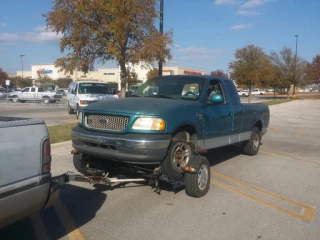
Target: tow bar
(103,179)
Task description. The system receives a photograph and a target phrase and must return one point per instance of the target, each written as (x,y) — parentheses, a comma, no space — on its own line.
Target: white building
(102,74)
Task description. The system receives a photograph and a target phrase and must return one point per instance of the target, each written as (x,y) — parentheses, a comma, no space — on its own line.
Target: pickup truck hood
(95,96)
(139,106)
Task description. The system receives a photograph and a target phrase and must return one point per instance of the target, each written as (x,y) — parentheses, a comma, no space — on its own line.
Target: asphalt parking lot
(274,195)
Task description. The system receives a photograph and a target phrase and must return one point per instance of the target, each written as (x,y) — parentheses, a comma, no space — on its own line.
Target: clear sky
(206,33)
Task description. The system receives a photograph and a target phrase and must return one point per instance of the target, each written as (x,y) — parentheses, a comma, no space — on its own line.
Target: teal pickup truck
(166,125)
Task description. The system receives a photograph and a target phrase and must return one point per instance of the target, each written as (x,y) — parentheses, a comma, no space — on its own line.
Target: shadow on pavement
(82,205)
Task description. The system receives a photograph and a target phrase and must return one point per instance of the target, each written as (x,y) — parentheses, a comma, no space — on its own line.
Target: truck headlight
(149,124)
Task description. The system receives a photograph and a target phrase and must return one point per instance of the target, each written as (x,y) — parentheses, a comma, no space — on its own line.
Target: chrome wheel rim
(203,176)
(256,142)
(180,156)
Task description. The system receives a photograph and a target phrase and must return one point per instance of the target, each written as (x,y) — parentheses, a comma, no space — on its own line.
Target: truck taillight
(46,158)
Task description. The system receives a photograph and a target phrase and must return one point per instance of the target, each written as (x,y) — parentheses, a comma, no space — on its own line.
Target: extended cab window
(234,96)
(26,90)
(33,89)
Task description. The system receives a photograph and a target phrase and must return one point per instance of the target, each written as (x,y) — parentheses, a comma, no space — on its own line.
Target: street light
(161,31)
(295,65)
(22,55)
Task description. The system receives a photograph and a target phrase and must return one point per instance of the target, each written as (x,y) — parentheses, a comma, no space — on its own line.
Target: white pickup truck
(26,185)
(34,94)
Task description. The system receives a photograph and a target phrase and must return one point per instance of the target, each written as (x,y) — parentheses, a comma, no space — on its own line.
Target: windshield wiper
(163,96)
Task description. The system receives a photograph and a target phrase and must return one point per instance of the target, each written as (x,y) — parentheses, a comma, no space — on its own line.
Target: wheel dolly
(97,176)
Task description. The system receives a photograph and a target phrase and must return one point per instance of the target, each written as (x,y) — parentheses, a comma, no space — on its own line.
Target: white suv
(257,92)
(82,93)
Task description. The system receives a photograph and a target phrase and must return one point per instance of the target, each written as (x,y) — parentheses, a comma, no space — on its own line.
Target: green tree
(20,82)
(219,73)
(103,30)
(152,73)
(63,82)
(291,67)
(313,70)
(132,78)
(251,68)
(3,77)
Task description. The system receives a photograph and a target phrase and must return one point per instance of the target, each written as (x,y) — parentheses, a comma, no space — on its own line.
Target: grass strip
(278,101)
(60,133)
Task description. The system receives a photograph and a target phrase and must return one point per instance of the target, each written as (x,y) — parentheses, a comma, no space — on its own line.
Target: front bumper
(130,148)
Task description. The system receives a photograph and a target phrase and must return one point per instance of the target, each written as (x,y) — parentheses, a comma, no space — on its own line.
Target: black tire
(178,148)
(70,110)
(77,111)
(22,101)
(197,184)
(79,162)
(252,146)
(46,100)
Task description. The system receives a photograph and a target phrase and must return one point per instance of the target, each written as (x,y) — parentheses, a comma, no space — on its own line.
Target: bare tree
(291,67)
(313,70)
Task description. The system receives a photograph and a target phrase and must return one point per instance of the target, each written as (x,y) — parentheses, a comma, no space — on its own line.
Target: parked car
(257,92)
(34,94)
(81,94)
(25,178)
(243,93)
(168,129)
(3,93)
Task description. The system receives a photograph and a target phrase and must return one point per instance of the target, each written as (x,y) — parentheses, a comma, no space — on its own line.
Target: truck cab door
(218,118)
(33,94)
(25,94)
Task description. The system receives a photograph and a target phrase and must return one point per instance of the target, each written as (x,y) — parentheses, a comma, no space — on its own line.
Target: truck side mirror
(216,98)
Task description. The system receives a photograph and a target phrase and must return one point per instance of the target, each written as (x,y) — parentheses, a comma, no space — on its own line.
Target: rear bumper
(130,148)
(53,194)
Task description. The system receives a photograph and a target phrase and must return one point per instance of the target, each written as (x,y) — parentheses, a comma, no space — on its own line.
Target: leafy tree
(291,67)
(251,67)
(103,30)
(313,70)
(132,78)
(154,72)
(63,82)
(20,82)
(3,77)
(219,73)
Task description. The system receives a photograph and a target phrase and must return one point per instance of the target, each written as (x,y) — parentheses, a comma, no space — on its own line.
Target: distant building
(102,74)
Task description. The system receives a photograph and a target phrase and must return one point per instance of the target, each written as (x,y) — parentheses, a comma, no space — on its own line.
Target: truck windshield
(93,88)
(181,87)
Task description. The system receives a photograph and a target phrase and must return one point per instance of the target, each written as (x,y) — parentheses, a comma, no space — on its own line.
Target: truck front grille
(106,122)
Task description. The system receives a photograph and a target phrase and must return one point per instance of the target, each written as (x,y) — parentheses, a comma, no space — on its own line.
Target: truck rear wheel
(197,184)
(252,146)
(46,100)
(178,156)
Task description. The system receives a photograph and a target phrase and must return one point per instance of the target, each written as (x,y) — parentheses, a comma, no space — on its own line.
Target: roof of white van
(89,82)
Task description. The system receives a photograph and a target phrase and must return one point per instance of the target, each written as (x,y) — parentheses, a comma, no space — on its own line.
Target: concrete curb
(61,145)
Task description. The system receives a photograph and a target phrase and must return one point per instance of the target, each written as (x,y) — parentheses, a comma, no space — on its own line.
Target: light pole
(295,66)
(161,31)
(22,55)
